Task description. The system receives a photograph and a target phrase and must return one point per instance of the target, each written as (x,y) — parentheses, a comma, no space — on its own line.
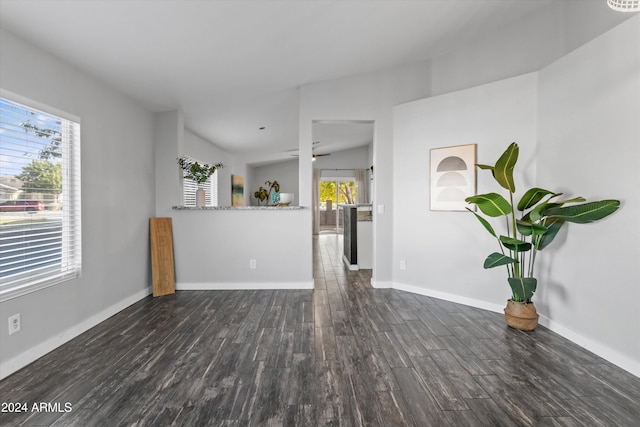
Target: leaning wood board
(162,256)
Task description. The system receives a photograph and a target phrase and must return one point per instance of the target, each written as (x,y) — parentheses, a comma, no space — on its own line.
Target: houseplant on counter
(541,217)
(199,173)
(265,193)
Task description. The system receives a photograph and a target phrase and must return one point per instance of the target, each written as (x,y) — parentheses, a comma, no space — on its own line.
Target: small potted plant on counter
(265,193)
(199,173)
(541,217)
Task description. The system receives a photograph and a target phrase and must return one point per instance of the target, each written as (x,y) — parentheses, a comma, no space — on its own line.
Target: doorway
(342,173)
(332,194)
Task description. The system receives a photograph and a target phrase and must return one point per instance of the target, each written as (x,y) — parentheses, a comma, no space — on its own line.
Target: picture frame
(237,190)
(452,177)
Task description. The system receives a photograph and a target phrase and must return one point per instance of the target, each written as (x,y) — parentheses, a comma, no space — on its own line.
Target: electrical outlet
(252,264)
(403,264)
(14,324)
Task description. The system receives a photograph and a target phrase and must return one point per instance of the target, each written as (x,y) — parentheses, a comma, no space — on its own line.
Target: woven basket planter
(521,315)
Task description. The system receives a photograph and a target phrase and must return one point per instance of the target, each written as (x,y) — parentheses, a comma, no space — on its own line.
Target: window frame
(71,245)
(211,187)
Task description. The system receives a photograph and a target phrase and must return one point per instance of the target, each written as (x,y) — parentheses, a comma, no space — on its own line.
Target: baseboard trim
(351,267)
(607,353)
(379,284)
(242,286)
(25,358)
(449,297)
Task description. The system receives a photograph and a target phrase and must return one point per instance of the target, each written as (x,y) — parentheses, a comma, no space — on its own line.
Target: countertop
(238,208)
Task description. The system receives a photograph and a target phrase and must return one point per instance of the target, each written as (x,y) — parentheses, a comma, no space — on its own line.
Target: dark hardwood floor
(342,354)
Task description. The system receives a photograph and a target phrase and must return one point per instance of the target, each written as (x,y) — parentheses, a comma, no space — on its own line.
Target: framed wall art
(452,177)
(237,190)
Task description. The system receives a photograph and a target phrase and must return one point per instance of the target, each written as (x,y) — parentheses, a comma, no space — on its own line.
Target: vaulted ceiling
(236,66)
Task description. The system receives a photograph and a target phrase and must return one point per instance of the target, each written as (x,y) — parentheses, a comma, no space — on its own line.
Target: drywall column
(168,135)
(305,171)
(367,96)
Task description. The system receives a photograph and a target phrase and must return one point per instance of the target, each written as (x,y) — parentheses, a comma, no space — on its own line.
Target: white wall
(286,173)
(213,248)
(117,201)
(516,48)
(577,122)
(589,145)
(444,251)
(168,137)
(355,158)
(524,45)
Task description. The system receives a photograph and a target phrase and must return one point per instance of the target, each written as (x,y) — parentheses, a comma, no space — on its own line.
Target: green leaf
(491,204)
(496,259)
(511,241)
(533,196)
(553,226)
(515,244)
(574,200)
(485,167)
(503,170)
(527,228)
(586,212)
(484,222)
(537,213)
(523,288)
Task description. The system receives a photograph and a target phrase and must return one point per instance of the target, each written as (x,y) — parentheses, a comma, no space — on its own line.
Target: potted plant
(199,173)
(541,217)
(265,193)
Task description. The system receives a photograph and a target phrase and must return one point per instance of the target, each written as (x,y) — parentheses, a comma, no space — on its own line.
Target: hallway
(342,354)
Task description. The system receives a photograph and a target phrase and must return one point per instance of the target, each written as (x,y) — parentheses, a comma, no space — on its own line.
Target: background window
(39,198)
(189,188)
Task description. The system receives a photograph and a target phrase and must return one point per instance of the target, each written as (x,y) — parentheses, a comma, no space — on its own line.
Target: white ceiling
(235,66)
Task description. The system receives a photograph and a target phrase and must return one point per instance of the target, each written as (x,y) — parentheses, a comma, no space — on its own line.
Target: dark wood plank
(443,391)
(422,406)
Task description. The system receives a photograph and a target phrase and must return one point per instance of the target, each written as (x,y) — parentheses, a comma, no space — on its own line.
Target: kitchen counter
(237,208)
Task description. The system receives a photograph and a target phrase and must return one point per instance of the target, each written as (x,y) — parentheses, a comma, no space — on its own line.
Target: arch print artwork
(452,177)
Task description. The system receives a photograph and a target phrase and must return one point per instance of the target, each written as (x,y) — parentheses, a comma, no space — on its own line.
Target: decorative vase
(521,315)
(285,199)
(201,196)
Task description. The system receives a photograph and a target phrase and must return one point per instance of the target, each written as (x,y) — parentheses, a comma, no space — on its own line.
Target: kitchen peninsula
(237,208)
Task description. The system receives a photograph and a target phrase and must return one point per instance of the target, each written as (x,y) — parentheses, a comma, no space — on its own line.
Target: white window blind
(189,188)
(40,223)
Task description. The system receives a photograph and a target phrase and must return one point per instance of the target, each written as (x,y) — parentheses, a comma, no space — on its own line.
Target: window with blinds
(40,241)
(189,188)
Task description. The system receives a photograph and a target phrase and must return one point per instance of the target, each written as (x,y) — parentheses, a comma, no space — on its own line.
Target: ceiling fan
(312,155)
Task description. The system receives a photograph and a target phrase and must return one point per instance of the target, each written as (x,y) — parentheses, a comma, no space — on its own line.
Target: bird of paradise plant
(542,215)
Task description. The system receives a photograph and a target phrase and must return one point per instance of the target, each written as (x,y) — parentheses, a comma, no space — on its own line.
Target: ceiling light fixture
(624,5)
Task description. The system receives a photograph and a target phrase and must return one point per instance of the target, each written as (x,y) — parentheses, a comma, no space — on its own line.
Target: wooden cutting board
(162,268)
